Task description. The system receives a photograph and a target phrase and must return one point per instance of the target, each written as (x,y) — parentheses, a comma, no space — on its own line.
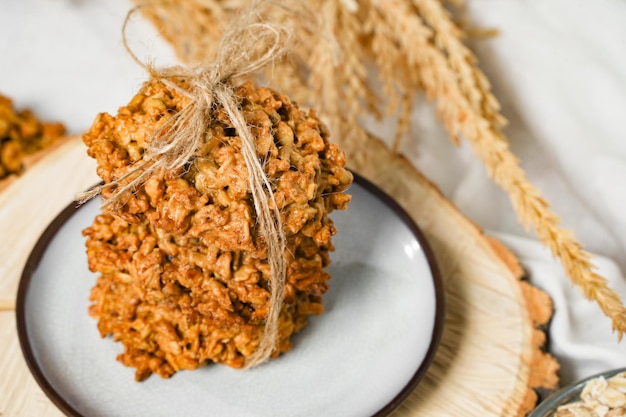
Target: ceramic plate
(362,357)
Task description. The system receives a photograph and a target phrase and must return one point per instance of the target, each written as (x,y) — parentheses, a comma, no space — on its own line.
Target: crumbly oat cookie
(22,134)
(184,271)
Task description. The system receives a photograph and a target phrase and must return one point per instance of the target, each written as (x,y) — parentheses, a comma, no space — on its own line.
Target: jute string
(247,45)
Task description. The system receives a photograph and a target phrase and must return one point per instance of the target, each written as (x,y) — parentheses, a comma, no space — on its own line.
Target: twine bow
(247,46)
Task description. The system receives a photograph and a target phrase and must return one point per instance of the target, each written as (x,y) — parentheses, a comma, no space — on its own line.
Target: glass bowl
(568,394)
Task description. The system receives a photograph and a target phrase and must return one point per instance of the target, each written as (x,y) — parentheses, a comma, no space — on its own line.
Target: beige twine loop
(247,46)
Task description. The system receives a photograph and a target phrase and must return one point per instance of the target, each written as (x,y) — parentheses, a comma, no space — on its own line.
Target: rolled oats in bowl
(601,395)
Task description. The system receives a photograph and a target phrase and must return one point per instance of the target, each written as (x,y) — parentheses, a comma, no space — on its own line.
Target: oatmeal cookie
(183,268)
(22,134)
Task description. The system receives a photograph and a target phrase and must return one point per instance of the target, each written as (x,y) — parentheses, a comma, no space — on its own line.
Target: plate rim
(55,225)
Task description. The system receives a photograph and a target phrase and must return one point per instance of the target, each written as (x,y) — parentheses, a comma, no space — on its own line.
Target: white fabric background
(558,68)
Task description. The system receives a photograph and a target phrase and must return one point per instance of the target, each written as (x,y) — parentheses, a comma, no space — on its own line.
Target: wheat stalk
(479,127)
(449,39)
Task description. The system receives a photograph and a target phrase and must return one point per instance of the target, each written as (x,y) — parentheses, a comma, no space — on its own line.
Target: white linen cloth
(558,68)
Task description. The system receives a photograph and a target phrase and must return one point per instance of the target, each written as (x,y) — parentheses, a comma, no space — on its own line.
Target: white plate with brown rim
(362,357)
